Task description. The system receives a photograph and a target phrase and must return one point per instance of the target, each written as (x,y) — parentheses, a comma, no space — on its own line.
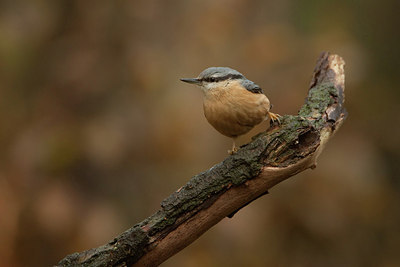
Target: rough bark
(273,156)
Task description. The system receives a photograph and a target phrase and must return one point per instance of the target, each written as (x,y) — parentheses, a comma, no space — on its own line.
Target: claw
(275,117)
(233,151)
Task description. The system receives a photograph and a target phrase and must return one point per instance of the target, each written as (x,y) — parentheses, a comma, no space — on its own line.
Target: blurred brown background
(97,129)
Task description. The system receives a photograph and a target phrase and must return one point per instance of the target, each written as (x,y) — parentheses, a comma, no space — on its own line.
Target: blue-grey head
(214,76)
(221,76)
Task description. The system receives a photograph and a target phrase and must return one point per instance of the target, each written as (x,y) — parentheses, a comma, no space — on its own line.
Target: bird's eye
(212,79)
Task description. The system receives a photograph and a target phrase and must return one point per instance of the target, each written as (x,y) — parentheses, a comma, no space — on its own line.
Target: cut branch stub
(208,197)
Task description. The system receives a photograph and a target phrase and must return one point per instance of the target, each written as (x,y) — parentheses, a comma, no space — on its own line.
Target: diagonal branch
(273,156)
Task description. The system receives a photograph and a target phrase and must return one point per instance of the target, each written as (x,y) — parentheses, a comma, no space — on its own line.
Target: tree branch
(273,156)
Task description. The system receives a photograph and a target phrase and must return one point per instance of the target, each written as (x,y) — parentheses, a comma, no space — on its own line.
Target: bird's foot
(275,117)
(233,151)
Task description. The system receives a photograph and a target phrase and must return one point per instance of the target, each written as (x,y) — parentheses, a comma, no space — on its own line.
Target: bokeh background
(96,129)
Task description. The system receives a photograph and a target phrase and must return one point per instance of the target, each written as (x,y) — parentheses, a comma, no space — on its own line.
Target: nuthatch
(232,104)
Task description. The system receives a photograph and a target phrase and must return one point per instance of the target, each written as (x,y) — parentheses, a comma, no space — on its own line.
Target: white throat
(212,85)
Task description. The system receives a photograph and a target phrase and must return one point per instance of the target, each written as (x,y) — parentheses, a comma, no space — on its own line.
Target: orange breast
(233,110)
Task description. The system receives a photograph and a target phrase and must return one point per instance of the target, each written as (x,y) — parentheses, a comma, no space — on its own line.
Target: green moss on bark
(319,98)
(233,171)
(126,248)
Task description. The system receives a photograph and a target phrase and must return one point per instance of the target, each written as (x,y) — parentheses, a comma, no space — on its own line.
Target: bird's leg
(274,117)
(234,148)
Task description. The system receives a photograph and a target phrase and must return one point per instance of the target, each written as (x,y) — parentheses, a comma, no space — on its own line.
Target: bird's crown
(217,74)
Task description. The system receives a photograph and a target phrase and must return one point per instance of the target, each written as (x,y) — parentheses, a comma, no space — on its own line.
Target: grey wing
(252,87)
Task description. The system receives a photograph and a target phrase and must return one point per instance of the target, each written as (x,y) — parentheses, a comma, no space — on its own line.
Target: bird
(232,104)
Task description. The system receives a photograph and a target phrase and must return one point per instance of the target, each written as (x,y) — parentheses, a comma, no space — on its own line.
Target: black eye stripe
(223,78)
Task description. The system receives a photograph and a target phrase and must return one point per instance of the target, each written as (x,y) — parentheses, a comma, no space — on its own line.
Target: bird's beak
(191,80)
